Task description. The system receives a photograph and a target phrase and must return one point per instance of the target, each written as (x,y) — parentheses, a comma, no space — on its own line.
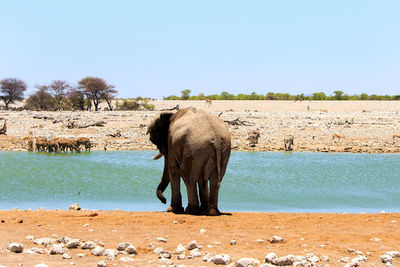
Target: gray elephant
(196,146)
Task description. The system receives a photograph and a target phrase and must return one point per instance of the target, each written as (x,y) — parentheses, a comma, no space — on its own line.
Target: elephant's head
(158,130)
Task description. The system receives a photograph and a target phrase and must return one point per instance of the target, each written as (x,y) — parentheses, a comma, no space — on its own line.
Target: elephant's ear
(158,130)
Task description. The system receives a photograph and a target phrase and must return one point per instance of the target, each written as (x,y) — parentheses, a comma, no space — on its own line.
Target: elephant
(196,146)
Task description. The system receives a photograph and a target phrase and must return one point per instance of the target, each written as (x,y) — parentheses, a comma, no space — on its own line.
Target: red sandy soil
(302,232)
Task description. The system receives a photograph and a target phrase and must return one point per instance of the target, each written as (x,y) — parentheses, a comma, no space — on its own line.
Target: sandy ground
(364,126)
(336,236)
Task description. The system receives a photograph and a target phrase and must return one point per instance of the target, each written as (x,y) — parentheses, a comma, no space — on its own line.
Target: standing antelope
(208,102)
(3,129)
(395,136)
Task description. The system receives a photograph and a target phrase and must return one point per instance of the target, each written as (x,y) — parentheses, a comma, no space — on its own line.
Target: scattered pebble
(386,258)
(164,254)
(202,231)
(180,249)
(122,246)
(89,245)
(260,240)
(15,247)
(181,256)
(98,251)
(75,206)
(101,264)
(247,262)
(58,249)
(276,239)
(195,253)
(192,245)
(232,242)
(66,256)
(131,250)
(160,239)
(221,259)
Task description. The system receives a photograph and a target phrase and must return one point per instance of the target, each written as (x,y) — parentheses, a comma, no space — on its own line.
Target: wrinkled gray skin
(196,146)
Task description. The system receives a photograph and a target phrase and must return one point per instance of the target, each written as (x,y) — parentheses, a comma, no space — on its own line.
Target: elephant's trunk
(164,182)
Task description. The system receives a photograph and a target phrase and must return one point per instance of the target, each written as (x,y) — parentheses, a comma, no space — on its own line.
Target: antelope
(208,102)
(337,136)
(3,129)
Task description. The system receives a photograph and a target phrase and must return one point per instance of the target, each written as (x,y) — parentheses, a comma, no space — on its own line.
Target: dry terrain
(337,237)
(326,126)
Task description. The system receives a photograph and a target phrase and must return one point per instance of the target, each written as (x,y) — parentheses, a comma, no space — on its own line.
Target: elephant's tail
(218,153)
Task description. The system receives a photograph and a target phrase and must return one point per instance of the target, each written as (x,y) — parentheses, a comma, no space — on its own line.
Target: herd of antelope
(57,144)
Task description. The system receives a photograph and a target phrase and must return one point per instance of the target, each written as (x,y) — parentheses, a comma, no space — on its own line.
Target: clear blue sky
(158,48)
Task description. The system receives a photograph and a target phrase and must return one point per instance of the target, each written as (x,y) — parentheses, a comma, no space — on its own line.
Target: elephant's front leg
(176,197)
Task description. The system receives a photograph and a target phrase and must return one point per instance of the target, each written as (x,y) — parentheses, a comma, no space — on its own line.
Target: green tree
(363,96)
(41,99)
(185,94)
(319,96)
(338,95)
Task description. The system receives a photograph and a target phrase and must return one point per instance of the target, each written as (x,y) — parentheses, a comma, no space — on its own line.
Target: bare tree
(96,89)
(60,89)
(76,98)
(109,95)
(12,90)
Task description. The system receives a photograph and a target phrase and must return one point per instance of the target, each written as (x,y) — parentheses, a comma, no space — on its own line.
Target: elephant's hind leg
(213,200)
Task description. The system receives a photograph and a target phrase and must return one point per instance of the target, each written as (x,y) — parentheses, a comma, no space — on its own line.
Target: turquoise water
(257,181)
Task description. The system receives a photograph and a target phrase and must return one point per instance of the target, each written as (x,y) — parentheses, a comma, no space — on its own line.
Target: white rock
(131,250)
(58,249)
(101,264)
(111,254)
(41,265)
(192,245)
(30,237)
(126,259)
(180,249)
(98,251)
(66,256)
(44,241)
(89,245)
(270,257)
(195,253)
(345,259)
(221,259)
(313,259)
(15,247)
(73,243)
(75,206)
(302,263)
(164,254)
(122,246)
(260,240)
(247,262)
(81,255)
(38,250)
(393,254)
(217,243)
(276,239)
(202,231)
(181,256)
(232,242)
(160,239)
(208,257)
(386,258)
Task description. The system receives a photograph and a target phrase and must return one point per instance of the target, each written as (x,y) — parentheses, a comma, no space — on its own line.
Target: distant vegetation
(61,95)
(337,95)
